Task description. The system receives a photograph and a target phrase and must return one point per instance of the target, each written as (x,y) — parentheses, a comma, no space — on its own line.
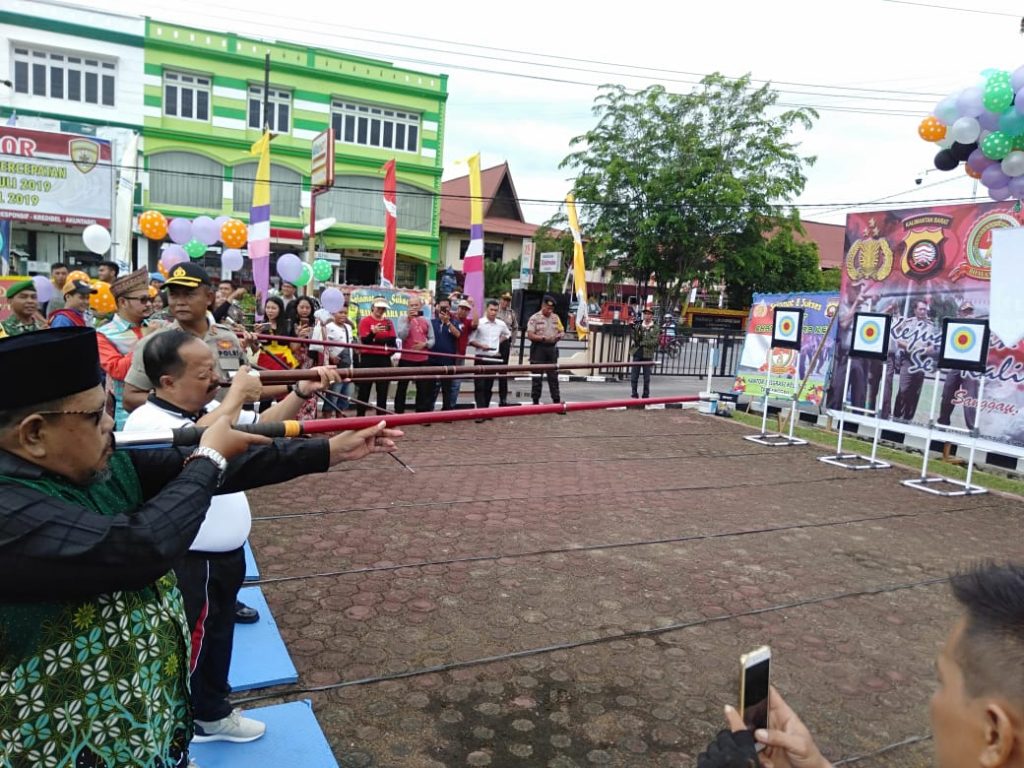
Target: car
(592,313)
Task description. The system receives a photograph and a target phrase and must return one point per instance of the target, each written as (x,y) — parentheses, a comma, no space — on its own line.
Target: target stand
(786,329)
(870,340)
(964,348)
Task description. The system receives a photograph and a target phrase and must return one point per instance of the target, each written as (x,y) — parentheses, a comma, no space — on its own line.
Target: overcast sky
(888,61)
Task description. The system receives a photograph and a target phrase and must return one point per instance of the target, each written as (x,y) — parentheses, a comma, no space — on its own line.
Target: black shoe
(479,421)
(536,402)
(503,404)
(244,614)
(646,395)
(634,396)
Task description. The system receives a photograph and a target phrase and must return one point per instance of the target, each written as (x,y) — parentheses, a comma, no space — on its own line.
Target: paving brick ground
(559,538)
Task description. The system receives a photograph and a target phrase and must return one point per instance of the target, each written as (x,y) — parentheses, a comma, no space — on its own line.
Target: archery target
(964,344)
(786,328)
(870,335)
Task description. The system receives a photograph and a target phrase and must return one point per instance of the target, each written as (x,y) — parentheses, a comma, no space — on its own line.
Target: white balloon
(965,130)
(945,143)
(1013,164)
(96,239)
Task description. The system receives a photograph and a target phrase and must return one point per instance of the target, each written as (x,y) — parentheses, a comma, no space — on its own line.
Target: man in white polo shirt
(486,340)
(184,376)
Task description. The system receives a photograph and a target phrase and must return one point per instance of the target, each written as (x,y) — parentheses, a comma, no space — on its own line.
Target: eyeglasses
(96,415)
(140,299)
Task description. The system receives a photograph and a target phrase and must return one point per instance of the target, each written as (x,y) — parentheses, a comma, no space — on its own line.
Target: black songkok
(47,365)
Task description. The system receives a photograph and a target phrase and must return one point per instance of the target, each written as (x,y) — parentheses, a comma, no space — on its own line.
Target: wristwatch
(202,452)
(295,390)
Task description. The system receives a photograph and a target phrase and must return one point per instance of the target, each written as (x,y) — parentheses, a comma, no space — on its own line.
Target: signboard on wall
(55,178)
(551,261)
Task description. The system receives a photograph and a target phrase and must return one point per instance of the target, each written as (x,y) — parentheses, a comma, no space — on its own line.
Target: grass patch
(828,439)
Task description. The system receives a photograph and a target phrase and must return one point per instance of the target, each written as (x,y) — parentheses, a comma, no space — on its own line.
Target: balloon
(180,230)
(1017,79)
(1016,187)
(322,270)
(153,225)
(173,255)
(162,269)
(931,129)
(305,275)
(1013,163)
(998,95)
(77,275)
(996,145)
(332,300)
(195,249)
(103,300)
(965,130)
(205,231)
(1011,122)
(44,288)
(993,176)
(989,121)
(999,193)
(971,172)
(961,152)
(220,221)
(233,233)
(969,103)
(946,111)
(945,161)
(96,239)
(978,161)
(945,143)
(289,267)
(231,259)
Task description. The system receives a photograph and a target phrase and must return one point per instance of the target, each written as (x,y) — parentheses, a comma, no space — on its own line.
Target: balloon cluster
(191,239)
(982,126)
(292,269)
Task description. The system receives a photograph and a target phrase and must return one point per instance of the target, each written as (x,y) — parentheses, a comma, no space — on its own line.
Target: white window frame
(181,81)
(354,123)
(58,67)
(278,98)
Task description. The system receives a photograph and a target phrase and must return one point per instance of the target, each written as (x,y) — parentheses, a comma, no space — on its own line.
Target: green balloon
(997,98)
(996,145)
(322,270)
(195,249)
(306,274)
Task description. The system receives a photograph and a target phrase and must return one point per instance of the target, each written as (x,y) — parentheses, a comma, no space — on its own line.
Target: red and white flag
(388,257)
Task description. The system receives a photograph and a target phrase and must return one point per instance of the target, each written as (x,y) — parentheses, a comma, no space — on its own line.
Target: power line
(954,8)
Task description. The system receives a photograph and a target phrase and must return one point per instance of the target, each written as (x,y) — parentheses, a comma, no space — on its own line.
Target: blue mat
(293,738)
(252,572)
(259,657)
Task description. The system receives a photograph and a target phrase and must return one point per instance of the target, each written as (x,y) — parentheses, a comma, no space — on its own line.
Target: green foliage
(831,279)
(667,182)
(498,277)
(554,235)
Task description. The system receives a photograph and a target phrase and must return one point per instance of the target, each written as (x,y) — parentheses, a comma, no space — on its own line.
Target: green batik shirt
(646,339)
(14,327)
(101,681)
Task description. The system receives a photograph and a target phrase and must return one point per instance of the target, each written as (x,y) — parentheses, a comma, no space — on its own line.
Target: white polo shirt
(228,519)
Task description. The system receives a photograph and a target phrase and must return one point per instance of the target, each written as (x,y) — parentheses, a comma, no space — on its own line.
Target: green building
(203,109)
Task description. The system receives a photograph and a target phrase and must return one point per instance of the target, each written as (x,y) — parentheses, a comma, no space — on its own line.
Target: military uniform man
(545,330)
(24,304)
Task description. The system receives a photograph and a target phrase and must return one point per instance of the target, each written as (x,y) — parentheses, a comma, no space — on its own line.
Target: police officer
(507,314)
(545,330)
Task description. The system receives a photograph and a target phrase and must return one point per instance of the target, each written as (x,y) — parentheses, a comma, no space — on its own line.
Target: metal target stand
(933,484)
(857,461)
(775,440)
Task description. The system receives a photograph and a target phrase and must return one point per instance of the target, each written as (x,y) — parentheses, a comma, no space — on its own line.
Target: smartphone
(755,676)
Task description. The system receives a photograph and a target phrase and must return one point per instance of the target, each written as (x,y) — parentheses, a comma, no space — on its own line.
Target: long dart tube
(190,435)
(371,348)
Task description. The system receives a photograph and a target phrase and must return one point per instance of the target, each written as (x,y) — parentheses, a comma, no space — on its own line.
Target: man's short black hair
(990,652)
(111,265)
(57,265)
(492,303)
(162,354)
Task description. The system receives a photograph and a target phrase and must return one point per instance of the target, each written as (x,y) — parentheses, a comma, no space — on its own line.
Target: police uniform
(505,348)
(544,352)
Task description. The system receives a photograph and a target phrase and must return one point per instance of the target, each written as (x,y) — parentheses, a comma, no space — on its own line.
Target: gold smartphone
(755,677)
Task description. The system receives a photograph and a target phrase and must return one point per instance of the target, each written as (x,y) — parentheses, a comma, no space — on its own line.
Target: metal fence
(681,355)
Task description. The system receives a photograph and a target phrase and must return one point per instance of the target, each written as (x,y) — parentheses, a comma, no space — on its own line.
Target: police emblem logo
(179,272)
(923,255)
(84,154)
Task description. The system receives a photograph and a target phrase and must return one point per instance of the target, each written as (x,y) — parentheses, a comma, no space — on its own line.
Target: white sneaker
(234,728)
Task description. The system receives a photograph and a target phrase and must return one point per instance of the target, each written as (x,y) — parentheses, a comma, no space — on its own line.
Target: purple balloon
(332,300)
(180,230)
(1017,79)
(173,255)
(989,121)
(999,193)
(978,162)
(220,221)
(993,177)
(44,288)
(231,259)
(1016,187)
(969,102)
(289,266)
(205,230)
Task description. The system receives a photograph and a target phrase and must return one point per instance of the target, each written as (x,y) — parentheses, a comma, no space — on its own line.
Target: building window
(492,251)
(375,126)
(186,179)
(67,76)
(359,200)
(186,96)
(285,189)
(279,108)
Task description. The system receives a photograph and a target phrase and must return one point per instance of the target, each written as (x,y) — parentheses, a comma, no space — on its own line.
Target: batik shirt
(117,340)
(14,327)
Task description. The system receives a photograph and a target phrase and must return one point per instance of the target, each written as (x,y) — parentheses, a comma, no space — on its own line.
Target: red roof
(831,240)
(500,199)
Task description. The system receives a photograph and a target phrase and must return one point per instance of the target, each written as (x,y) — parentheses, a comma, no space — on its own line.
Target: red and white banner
(388,255)
(55,178)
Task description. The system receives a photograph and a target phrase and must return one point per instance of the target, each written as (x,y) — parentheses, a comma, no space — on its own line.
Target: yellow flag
(579,269)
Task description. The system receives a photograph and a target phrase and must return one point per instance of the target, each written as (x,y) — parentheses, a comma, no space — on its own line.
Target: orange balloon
(153,225)
(931,129)
(233,233)
(163,270)
(971,172)
(103,300)
(78,275)
(152,291)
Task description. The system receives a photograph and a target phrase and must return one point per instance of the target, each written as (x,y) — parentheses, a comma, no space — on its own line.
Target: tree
(668,182)
(498,277)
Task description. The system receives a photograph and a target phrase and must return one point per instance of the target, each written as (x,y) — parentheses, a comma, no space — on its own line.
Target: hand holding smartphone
(755,677)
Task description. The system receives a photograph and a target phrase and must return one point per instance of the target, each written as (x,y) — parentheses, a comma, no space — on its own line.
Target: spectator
(336,327)
(507,315)
(466,325)
(446,340)
(23,301)
(646,336)
(977,711)
(545,330)
(276,324)
(58,276)
(226,308)
(76,302)
(108,271)
(117,339)
(486,339)
(375,330)
(417,335)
